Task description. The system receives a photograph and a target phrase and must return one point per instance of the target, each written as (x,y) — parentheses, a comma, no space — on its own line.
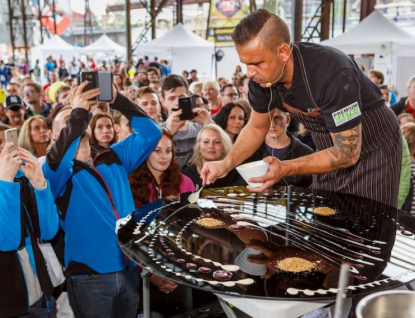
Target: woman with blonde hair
(211,91)
(35,136)
(212,144)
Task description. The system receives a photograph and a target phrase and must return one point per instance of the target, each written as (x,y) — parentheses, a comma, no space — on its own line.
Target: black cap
(14,102)
(193,71)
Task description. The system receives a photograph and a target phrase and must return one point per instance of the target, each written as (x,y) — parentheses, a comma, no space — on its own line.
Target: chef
(357,137)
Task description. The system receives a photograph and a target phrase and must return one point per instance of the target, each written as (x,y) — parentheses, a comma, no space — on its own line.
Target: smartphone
(186,105)
(105,86)
(11,136)
(2,95)
(92,81)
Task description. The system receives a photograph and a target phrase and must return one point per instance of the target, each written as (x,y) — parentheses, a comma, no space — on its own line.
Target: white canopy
(373,35)
(104,45)
(54,47)
(184,49)
(393,48)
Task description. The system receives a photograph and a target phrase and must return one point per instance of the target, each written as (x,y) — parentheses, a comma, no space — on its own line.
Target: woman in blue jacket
(27,214)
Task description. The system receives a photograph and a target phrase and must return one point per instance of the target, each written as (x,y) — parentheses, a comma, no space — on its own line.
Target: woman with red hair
(159,177)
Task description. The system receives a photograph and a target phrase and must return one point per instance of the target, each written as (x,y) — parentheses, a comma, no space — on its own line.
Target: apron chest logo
(346,114)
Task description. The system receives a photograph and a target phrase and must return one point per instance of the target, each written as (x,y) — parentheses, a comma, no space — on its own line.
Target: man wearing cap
(14,111)
(193,77)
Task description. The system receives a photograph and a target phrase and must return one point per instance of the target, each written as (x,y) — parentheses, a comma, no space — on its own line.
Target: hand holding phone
(9,164)
(186,105)
(101,80)
(11,136)
(85,98)
(105,86)
(91,78)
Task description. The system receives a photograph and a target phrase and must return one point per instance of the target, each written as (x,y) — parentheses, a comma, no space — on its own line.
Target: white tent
(184,49)
(104,45)
(377,35)
(373,35)
(55,47)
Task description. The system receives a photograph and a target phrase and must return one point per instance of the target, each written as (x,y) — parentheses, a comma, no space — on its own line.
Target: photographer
(27,214)
(184,131)
(91,195)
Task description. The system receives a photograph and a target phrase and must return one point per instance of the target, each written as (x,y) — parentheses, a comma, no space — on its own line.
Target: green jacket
(405,181)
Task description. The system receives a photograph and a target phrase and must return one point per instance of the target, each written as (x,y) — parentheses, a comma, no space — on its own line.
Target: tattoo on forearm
(347,146)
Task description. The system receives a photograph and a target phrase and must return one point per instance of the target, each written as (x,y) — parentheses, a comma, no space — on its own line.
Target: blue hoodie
(91,198)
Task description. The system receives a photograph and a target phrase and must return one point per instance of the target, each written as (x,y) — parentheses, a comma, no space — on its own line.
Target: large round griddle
(375,239)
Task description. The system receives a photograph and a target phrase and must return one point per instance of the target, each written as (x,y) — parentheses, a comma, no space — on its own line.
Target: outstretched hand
(213,170)
(9,163)
(83,99)
(173,122)
(32,169)
(274,174)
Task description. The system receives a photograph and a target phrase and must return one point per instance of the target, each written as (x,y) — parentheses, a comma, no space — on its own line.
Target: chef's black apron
(376,174)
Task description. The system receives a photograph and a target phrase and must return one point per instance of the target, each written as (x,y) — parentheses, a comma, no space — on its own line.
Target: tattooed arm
(344,153)
(346,149)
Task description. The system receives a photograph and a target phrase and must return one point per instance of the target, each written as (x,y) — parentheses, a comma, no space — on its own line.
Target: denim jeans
(113,295)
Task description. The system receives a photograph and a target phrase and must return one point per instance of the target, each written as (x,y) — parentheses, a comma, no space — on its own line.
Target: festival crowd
(82,164)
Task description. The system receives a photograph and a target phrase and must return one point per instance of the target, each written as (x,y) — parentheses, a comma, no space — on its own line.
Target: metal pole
(153,18)
(145,274)
(54,17)
(128,29)
(23,9)
(341,294)
(11,11)
(344,15)
(40,22)
(179,12)
(297,21)
(325,19)
(85,24)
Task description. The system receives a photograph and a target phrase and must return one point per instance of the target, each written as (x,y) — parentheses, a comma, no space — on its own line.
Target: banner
(224,15)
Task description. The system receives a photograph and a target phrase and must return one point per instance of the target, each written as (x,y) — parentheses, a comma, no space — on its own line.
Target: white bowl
(251,170)
(248,267)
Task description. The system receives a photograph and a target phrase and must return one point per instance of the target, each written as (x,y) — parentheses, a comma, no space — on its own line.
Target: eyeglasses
(232,94)
(28,92)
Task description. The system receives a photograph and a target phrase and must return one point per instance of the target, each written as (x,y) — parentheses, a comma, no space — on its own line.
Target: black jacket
(47,108)
(295,150)
(400,107)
